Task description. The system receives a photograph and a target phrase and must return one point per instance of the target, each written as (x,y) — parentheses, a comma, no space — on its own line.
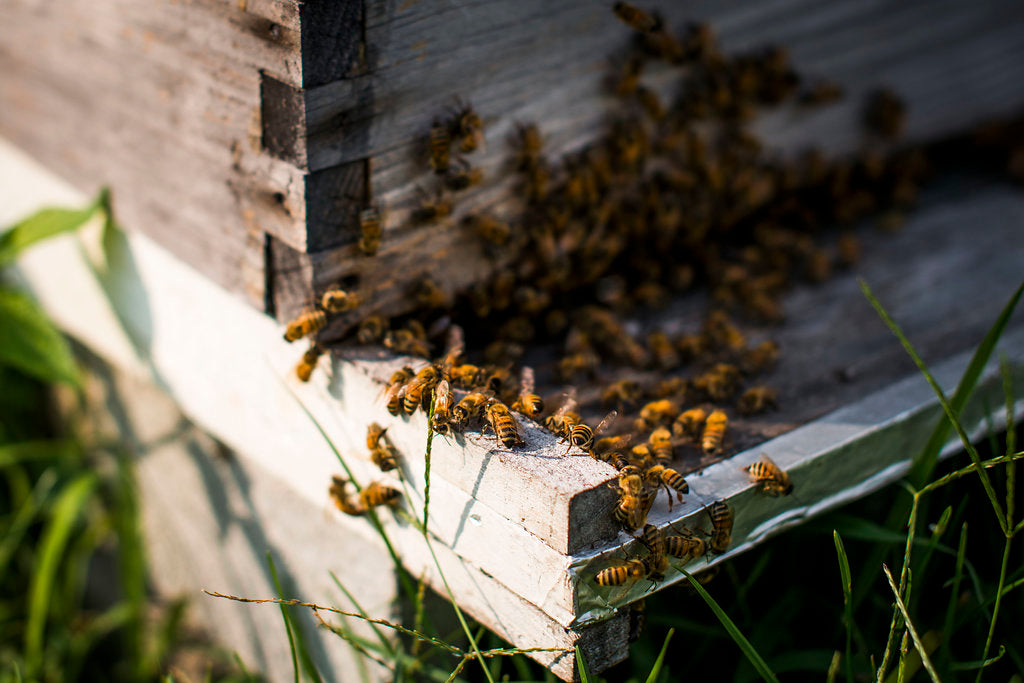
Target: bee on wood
(634,499)
(305,367)
(714,432)
(370,227)
(720,383)
(537,183)
(339,494)
(439,144)
(620,575)
(528,403)
(490,229)
(371,330)
(689,423)
(660,443)
(721,526)
(305,324)
(429,295)
(761,358)
(583,363)
(582,436)
(691,346)
(622,395)
(720,332)
(641,455)
(395,391)
(373,495)
(503,423)
(634,17)
(468,128)
(655,414)
(663,353)
(773,479)
(406,341)
(382,453)
(686,545)
(671,387)
(467,376)
(432,210)
(469,409)
(417,391)
(654,540)
(757,400)
(338,301)
(661,476)
(611,444)
(528,147)
(457,181)
(444,397)
(565,418)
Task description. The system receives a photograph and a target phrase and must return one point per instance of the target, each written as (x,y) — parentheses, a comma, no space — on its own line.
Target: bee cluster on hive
(677,194)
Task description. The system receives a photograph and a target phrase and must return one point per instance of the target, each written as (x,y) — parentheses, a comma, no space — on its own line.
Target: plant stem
(995,609)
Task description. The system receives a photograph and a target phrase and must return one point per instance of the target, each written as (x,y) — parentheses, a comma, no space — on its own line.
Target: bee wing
(608,419)
(569,403)
(526,380)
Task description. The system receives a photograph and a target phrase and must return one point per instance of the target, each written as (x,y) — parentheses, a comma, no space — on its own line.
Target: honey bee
(469,409)
(418,389)
(529,146)
(619,575)
(773,479)
(623,395)
(339,494)
(761,358)
(719,383)
(650,102)
(432,210)
(641,455)
(656,413)
(721,526)
(466,376)
(628,79)
(565,418)
(686,545)
(371,330)
(370,226)
(395,391)
(490,229)
(406,341)
(660,475)
(439,144)
(429,295)
(528,403)
(373,495)
(611,444)
(538,183)
(504,424)
(304,325)
(576,364)
(670,387)
(305,367)
(632,507)
(691,346)
(720,331)
(714,432)
(338,301)
(457,181)
(663,353)
(469,128)
(444,397)
(382,453)
(848,248)
(657,563)
(634,17)
(582,436)
(756,400)
(690,423)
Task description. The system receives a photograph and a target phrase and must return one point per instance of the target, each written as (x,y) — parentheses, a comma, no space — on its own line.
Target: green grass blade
(1011,438)
(995,609)
(39,449)
(67,510)
(844,574)
(296,638)
(41,225)
(745,646)
(426,466)
(954,596)
(31,343)
(384,641)
(971,666)
(924,464)
(581,666)
(660,661)
(925,660)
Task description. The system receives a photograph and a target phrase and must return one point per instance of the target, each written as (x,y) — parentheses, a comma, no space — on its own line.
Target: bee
(418,389)
(611,444)
(439,144)
(641,455)
(469,128)
(885,114)
(632,507)
(339,494)
(369,224)
(657,563)
(623,395)
(371,330)
(656,413)
(466,376)
(690,423)
(663,353)
(528,403)
(619,575)
(470,408)
(529,146)
(382,453)
(714,431)
(575,364)
(432,210)
(634,17)
(338,301)
(650,102)
(429,295)
(373,495)
(773,479)
(691,346)
(628,79)
(406,341)
(720,332)
(670,387)
(457,181)
(395,391)
(582,436)
(444,397)
(305,367)
(721,526)
(504,424)
(660,443)
(719,383)
(761,358)
(565,418)
(490,229)
(848,248)
(687,545)
(304,325)
(756,400)
(660,475)
(538,183)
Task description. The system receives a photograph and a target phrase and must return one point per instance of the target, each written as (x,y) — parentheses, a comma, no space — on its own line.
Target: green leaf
(660,661)
(581,666)
(734,632)
(844,573)
(40,449)
(31,343)
(296,637)
(41,225)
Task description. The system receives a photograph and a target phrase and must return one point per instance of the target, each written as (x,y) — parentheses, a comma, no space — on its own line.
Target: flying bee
(304,325)
(382,453)
(657,563)
(504,424)
(757,400)
(686,546)
(432,210)
(714,432)
(469,409)
(661,476)
(634,17)
(490,229)
(773,479)
(660,442)
(418,389)
(337,300)
(690,423)
(582,436)
(395,391)
(622,395)
(619,575)
(370,226)
(305,367)
(565,418)
(528,403)
(721,526)
(439,144)
(656,413)
(444,397)
(371,330)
